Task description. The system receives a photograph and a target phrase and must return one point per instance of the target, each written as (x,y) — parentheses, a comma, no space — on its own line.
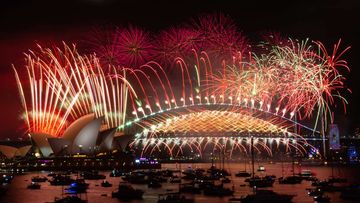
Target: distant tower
(334,137)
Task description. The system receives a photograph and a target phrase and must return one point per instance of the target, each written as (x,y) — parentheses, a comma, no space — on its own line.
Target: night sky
(25,23)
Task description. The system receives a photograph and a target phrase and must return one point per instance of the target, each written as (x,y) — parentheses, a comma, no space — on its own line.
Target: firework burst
(133,46)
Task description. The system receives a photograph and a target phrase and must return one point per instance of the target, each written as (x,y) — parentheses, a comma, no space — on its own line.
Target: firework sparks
(65,86)
(211,65)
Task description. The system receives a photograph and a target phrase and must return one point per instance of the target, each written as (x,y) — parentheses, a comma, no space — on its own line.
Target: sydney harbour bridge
(196,103)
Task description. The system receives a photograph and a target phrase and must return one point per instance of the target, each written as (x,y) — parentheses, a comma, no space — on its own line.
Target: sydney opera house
(83,136)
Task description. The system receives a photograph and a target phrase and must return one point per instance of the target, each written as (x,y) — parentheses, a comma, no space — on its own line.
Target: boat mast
(223,158)
(252,156)
(252,161)
(282,166)
(245,158)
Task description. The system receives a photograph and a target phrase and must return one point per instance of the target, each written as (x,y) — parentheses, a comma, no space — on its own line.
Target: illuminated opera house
(83,136)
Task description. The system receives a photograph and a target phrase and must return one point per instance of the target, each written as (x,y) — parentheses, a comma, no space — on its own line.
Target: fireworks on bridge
(218,129)
(178,81)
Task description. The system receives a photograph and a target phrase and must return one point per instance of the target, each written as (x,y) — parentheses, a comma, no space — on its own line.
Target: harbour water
(18,192)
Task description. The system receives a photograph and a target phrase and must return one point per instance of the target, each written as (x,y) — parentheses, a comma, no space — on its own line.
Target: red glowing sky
(23,25)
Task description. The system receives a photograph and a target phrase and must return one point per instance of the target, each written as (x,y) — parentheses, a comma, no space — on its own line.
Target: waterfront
(19,193)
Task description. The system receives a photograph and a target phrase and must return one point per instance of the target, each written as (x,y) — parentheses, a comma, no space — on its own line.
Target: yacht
(315,192)
(173,198)
(127,192)
(321,198)
(136,178)
(94,175)
(266,196)
(61,180)
(116,173)
(190,188)
(6,178)
(175,179)
(69,199)
(260,182)
(218,190)
(261,169)
(243,174)
(106,183)
(154,184)
(34,186)
(290,180)
(39,179)
(77,187)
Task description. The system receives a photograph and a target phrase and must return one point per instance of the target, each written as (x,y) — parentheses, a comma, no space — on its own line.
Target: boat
(307,175)
(106,183)
(69,199)
(77,187)
(217,190)
(154,184)
(61,180)
(173,198)
(94,175)
(6,179)
(243,174)
(127,192)
(321,198)
(315,192)
(320,183)
(34,186)
(266,196)
(167,173)
(256,181)
(116,173)
(39,179)
(51,174)
(290,180)
(190,188)
(260,182)
(136,178)
(175,179)
(261,169)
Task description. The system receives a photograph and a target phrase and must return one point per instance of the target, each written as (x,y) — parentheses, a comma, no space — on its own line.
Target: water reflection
(18,192)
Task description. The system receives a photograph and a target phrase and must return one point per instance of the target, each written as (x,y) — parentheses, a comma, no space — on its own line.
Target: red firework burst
(220,36)
(134,46)
(275,38)
(177,42)
(102,42)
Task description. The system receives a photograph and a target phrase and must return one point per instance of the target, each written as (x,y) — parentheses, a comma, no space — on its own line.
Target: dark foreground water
(18,193)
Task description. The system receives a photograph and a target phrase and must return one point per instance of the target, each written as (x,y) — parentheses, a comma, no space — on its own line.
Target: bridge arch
(221,126)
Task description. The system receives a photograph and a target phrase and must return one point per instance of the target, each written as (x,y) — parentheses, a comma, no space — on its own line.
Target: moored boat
(127,192)
(266,196)
(173,198)
(34,186)
(243,174)
(39,179)
(106,183)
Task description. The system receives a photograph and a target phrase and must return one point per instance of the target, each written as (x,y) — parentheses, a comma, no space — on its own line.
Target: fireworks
(216,129)
(133,46)
(64,86)
(211,68)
